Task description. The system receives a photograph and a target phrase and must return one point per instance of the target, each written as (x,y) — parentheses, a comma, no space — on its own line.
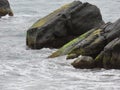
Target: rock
(5,8)
(92,42)
(63,25)
(109,58)
(81,44)
(66,49)
(84,62)
(72,56)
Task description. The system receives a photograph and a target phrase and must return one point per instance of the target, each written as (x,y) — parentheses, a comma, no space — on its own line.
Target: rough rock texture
(5,8)
(84,62)
(102,44)
(92,42)
(110,56)
(63,25)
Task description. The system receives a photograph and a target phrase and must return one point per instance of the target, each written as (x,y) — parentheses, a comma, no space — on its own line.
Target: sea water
(22,69)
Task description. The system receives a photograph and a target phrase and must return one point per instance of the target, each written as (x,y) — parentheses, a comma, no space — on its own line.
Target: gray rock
(63,25)
(84,62)
(109,58)
(5,8)
(92,42)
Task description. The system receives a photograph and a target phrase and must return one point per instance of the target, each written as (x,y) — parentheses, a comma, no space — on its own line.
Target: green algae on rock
(81,45)
(70,46)
(92,44)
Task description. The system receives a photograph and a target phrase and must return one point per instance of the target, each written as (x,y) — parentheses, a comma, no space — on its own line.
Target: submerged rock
(63,25)
(5,8)
(83,62)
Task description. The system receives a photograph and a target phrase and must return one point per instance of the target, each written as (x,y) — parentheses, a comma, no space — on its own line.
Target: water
(22,69)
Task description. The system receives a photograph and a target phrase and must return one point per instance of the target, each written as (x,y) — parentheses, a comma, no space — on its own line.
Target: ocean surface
(22,69)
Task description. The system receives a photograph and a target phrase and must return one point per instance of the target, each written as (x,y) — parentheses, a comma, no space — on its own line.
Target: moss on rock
(63,25)
(49,17)
(67,48)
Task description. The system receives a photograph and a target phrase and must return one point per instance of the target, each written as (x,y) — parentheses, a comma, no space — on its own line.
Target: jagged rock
(83,62)
(110,57)
(78,45)
(63,25)
(92,42)
(5,8)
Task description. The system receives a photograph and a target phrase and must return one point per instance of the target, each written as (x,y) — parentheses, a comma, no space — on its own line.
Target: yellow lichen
(49,17)
(97,32)
(78,51)
(72,56)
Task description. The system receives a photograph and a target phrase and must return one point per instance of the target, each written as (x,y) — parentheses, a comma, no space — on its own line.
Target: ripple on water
(22,69)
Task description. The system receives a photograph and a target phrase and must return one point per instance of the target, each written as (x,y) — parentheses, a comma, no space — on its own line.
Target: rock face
(63,25)
(110,56)
(102,44)
(92,42)
(5,8)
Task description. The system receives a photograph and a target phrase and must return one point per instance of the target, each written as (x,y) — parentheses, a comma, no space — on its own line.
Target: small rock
(83,62)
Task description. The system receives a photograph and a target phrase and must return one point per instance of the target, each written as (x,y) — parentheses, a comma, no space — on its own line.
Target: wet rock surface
(63,25)
(92,42)
(83,62)
(102,44)
(109,58)
(78,27)
(5,8)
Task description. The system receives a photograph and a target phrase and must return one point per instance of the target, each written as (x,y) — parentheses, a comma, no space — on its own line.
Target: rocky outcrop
(92,42)
(63,25)
(109,58)
(5,8)
(102,44)
(96,46)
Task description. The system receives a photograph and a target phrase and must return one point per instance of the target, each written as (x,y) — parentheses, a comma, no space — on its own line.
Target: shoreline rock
(79,30)
(5,8)
(109,58)
(102,44)
(63,25)
(83,62)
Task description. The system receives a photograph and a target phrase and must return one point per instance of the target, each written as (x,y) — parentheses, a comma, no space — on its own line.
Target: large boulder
(5,8)
(63,25)
(110,57)
(91,43)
